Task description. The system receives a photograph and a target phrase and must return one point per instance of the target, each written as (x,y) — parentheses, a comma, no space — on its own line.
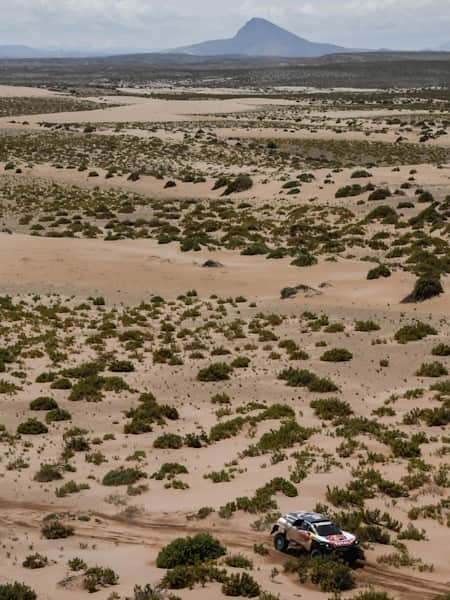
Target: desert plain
(216,310)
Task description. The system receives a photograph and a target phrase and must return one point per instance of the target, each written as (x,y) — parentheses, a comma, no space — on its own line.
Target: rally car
(313,533)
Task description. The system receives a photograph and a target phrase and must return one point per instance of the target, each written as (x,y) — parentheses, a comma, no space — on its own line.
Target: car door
(299,534)
(304,535)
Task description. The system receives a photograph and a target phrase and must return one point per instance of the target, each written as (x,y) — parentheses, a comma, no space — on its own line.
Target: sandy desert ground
(214,312)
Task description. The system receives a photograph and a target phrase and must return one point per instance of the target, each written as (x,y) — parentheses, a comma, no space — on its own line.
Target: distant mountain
(262,38)
(15,51)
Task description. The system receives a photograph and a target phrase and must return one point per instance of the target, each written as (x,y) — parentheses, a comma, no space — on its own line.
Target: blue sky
(153,24)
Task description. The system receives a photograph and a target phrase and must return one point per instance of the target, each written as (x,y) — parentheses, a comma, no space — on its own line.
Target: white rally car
(313,533)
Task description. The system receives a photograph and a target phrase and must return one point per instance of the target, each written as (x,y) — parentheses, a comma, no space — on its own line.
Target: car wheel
(280,542)
(316,553)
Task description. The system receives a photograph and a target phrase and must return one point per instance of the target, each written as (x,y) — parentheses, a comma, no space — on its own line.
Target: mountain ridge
(259,37)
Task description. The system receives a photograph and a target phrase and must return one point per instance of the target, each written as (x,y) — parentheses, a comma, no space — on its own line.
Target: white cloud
(159,23)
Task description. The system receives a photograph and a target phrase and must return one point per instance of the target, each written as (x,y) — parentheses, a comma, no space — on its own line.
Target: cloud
(159,24)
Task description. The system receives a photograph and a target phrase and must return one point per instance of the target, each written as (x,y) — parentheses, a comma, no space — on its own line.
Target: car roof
(310,517)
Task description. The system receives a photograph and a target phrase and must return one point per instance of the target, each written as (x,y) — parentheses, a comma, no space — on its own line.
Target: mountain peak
(259,37)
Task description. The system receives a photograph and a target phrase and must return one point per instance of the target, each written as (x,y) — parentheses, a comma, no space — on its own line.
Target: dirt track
(152,530)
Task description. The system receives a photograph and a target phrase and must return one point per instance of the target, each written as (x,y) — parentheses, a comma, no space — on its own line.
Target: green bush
(16,591)
(54,530)
(169,471)
(241,183)
(168,440)
(240,362)
(99,577)
(331,575)
(238,561)
(379,194)
(304,259)
(123,476)
(48,473)
(58,414)
(441,350)
(377,272)
(288,435)
(241,584)
(412,333)
(426,287)
(348,191)
(32,427)
(372,595)
(329,409)
(303,378)
(190,551)
(337,355)
(366,326)
(43,403)
(35,561)
(215,372)
(121,366)
(227,429)
(434,369)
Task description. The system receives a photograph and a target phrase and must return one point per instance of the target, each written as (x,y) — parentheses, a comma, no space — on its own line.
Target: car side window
(299,524)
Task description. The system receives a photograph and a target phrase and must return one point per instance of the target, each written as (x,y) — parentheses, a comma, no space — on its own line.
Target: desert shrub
(99,577)
(46,377)
(35,561)
(215,372)
(304,259)
(186,576)
(58,414)
(71,487)
(425,197)
(55,530)
(48,473)
(372,595)
(331,408)
(331,575)
(16,591)
(227,429)
(434,369)
(168,440)
(366,326)
(256,249)
(43,403)
(32,427)
(412,333)
(121,366)
(62,383)
(238,561)
(303,378)
(150,593)
(441,350)
(169,471)
(377,272)
(123,476)
(77,564)
(337,355)
(147,413)
(190,551)
(348,191)
(241,584)
(426,287)
(241,183)
(379,194)
(222,398)
(360,174)
(289,434)
(88,388)
(240,362)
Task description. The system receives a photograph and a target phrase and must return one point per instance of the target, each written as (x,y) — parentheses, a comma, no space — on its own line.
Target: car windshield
(327,529)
